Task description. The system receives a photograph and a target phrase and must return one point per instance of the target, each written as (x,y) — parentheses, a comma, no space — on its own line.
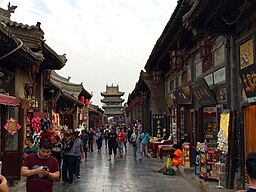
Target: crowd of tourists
(59,157)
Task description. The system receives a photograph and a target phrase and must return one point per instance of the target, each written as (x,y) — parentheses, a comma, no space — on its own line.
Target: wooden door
(250,129)
(11,145)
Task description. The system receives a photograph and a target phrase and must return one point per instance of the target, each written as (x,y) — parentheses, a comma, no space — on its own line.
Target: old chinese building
(112,103)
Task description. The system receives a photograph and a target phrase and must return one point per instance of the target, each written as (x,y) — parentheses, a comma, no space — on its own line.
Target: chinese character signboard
(202,94)
(248,78)
(159,125)
(182,95)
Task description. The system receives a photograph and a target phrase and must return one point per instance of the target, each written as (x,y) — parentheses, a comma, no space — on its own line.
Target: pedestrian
(135,140)
(78,153)
(125,140)
(68,150)
(121,140)
(84,138)
(112,143)
(56,149)
(3,185)
(30,147)
(99,136)
(41,169)
(251,171)
(144,143)
(90,140)
(106,133)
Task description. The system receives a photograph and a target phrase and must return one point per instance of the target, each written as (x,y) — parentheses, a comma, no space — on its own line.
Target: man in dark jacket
(90,139)
(251,171)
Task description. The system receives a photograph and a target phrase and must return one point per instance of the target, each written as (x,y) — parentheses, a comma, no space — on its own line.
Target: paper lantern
(86,102)
(81,98)
(176,60)
(85,118)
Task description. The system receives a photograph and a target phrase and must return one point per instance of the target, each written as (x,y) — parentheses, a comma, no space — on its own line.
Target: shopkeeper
(177,156)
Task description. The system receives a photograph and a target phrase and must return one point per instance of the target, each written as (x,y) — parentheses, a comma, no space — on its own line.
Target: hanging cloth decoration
(12,126)
(45,123)
(36,121)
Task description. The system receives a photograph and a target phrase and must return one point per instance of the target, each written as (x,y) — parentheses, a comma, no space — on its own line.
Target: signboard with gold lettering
(202,94)
(248,78)
(159,125)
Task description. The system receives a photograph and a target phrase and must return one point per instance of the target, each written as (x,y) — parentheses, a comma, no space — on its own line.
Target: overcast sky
(105,41)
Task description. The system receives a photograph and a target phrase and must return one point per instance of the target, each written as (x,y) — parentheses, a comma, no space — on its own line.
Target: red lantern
(204,49)
(81,98)
(176,59)
(156,77)
(85,118)
(86,102)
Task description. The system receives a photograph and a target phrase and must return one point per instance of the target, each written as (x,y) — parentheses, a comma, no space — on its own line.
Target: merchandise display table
(155,145)
(164,150)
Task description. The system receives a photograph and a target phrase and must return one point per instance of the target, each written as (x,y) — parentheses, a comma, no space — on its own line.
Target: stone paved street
(123,175)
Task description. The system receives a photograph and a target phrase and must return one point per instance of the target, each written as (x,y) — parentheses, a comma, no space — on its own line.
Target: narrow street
(99,174)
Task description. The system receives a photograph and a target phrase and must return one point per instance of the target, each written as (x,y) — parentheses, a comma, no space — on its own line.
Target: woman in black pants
(112,143)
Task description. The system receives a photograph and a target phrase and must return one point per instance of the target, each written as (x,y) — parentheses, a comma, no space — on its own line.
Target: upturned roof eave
(33,58)
(171,28)
(59,60)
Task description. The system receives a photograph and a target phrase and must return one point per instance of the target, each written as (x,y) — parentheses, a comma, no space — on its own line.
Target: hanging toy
(36,122)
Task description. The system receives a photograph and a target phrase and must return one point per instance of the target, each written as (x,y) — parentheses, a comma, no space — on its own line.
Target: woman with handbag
(135,140)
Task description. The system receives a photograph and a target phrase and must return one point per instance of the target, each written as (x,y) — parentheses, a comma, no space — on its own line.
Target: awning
(8,100)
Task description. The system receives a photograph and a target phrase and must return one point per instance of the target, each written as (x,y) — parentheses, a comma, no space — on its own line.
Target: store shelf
(208,162)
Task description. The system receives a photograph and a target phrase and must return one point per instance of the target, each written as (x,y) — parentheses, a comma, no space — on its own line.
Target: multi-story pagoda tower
(112,103)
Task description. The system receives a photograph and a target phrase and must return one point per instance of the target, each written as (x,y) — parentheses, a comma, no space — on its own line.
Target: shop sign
(248,78)
(5,78)
(182,95)
(202,94)
(159,125)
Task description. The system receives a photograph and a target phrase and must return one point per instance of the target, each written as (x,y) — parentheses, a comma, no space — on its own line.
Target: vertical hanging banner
(12,126)
(223,132)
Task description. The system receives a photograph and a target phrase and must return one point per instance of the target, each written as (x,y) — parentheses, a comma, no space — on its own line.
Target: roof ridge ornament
(7,13)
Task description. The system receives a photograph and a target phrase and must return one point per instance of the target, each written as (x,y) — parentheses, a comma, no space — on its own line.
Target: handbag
(134,142)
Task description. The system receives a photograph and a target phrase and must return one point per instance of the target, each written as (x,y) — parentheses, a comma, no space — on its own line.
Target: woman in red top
(121,139)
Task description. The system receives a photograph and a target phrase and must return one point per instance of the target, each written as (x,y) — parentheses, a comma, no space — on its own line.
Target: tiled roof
(171,28)
(37,57)
(65,86)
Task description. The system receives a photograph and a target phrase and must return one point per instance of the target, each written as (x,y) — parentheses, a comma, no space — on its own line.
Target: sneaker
(109,159)
(140,159)
(78,176)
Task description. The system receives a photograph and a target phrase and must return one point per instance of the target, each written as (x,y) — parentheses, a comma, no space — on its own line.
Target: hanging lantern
(156,77)
(144,96)
(29,90)
(176,60)
(85,118)
(205,49)
(86,102)
(81,98)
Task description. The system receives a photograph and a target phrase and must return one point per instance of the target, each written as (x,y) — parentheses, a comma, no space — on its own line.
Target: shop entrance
(11,147)
(250,129)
